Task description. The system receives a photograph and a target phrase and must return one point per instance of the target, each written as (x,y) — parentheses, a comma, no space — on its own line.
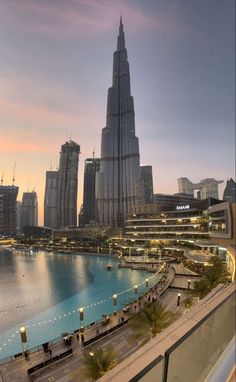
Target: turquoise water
(44,291)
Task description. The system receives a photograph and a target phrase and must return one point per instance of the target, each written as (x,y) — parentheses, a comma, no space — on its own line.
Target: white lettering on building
(186,207)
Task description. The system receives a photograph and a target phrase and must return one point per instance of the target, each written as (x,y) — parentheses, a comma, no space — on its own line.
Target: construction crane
(2,178)
(13,178)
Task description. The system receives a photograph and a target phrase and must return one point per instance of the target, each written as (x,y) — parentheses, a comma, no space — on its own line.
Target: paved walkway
(16,371)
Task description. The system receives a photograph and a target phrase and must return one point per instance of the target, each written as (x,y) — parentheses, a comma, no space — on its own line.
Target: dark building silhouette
(51,200)
(68,185)
(8,195)
(230,191)
(118,185)
(92,165)
(29,209)
(146,177)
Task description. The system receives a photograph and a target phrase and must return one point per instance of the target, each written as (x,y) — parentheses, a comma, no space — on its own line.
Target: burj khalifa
(118,185)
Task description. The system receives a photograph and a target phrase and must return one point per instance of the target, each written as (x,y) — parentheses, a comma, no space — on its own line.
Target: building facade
(118,184)
(230,191)
(169,222)
(147,179)
(8,195)
(206,188)
(51,200)
(29,209)
(68,185)
(91,167)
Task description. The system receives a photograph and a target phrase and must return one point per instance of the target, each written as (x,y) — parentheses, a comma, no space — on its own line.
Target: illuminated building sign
(186,207)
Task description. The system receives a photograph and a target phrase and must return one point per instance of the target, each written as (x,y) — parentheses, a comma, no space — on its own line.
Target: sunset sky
(56,66)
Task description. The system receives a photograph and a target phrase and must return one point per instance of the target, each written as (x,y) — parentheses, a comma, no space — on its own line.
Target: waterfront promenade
(116,332)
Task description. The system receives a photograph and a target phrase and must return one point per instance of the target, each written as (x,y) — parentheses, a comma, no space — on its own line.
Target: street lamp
(115,302)
(23,337)
(136,289)
(81,317)
(189,282)
(178,299)
(146,283)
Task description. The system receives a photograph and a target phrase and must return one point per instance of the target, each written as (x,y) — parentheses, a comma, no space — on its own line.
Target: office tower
(51,200)
(118,180)
(230,191)
(29,209)
(146,177)
(91,167)
(207,188)
(18,215)
(68,185)
(8,195)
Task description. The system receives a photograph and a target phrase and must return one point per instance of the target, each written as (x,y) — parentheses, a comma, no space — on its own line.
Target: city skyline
(56,69)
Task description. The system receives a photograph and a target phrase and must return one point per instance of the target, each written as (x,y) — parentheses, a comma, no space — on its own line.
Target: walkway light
(146,283)
(81,314)
(23,337)
(189,282)
(115,301)
(178,299)
(136,289)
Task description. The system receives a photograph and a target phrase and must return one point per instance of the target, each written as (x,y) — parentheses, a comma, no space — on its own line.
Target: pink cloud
(82,18)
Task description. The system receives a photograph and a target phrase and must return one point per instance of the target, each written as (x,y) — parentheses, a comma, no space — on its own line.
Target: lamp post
(115,302)
(189,282)
(23,337)
(146,281)
(81,317)
(129,253)
(136,289)
(178,299)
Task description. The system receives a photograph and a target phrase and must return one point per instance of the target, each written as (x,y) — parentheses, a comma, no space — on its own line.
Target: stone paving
(63,370)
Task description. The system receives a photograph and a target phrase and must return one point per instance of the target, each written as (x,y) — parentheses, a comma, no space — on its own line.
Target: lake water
(44,292)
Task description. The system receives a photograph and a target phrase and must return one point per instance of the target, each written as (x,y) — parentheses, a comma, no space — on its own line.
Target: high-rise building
(8,195)
(68,185)
(207,188)
(230,191)
(29,209)
(118,185)
(146,177)
(91,167)
(51,200)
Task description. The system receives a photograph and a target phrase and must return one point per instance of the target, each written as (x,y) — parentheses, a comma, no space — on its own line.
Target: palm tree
(150,321)
(188,301)
(201,288)
(97,362)
(216,273)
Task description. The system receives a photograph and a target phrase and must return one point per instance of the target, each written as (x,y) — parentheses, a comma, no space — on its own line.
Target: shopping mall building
(207,224)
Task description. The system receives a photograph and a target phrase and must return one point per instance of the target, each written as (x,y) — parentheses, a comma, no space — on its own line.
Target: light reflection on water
(43,286)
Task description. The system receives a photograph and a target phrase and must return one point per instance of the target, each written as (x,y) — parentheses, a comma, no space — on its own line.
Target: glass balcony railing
(193,357)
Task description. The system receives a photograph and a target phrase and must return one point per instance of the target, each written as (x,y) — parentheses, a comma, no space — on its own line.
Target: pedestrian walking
(82,339)
(97,331)
(50,351)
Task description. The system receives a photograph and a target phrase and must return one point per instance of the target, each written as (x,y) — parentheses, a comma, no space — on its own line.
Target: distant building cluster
(116,186)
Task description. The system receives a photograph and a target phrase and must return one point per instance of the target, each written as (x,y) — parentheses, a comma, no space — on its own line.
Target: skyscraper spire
(117,183)
(121,37)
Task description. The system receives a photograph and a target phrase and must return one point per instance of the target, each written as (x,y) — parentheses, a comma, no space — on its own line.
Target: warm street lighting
(178,299)
(23,334)
(81,314)
(146,283)
(136,289)
(91,353)
(189,282)
(115,299)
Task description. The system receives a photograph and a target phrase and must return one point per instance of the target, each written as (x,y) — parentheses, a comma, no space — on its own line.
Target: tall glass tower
(68,185)
(118,181)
